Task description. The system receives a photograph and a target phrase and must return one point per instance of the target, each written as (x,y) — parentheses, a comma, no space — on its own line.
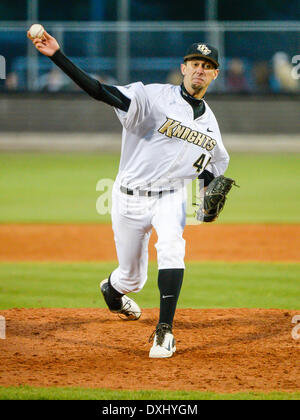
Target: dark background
(153,10)
(248,99)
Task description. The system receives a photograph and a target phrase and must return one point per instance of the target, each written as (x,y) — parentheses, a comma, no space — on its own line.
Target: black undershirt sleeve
(206,176)
(105,93)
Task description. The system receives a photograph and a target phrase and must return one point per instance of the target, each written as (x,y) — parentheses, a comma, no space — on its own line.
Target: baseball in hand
(36,31)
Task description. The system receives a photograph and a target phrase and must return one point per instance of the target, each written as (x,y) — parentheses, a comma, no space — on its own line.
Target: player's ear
(183,69)
(216,73)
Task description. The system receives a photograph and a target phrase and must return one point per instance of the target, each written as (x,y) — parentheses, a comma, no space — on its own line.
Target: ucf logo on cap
(203,49)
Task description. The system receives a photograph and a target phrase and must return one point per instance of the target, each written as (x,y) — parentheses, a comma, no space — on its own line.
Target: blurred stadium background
(255,99)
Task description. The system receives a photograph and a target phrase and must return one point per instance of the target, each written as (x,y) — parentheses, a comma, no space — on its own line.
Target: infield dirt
(36,242)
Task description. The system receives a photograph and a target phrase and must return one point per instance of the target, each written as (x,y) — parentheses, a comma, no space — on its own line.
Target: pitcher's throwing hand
(46,45)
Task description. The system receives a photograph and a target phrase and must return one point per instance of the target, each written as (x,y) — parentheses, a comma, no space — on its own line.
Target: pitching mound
(223,350)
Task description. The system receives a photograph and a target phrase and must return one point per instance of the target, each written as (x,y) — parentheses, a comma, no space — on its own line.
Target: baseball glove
(214,198)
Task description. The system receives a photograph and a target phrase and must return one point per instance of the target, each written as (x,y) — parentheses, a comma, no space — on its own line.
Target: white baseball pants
(132,220)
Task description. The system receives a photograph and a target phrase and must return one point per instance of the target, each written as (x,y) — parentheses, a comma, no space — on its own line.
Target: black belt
(143,193)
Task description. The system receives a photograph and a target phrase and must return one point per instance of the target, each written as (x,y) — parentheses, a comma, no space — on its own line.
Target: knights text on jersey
(162,144)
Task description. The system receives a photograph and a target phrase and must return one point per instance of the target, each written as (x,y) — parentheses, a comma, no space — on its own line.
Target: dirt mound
(223,350)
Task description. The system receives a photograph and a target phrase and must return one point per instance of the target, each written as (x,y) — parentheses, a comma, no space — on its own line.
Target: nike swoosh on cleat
(164,297)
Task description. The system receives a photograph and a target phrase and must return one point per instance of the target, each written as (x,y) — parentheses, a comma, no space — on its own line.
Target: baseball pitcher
(170,137)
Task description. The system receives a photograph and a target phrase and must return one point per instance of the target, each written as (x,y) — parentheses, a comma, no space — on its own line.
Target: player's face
(198,74)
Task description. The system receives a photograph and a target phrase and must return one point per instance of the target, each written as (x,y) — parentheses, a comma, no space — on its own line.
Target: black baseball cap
(203,50)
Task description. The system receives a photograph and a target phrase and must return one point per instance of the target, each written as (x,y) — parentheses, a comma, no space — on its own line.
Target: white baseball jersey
(162,145)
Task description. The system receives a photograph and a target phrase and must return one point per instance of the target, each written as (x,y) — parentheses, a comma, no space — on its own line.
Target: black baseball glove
(214,198)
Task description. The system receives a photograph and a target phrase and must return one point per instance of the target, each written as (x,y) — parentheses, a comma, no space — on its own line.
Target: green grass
(206,285)
(62,187)
(32,393)
(53,187)
(269,190)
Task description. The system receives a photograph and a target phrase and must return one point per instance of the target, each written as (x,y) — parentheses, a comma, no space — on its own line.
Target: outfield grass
(53,187)
(269,190)
(32,393)
(62,187)
(206,285)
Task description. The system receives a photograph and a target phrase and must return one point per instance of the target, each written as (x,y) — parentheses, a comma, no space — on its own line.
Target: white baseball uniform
(163,148)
